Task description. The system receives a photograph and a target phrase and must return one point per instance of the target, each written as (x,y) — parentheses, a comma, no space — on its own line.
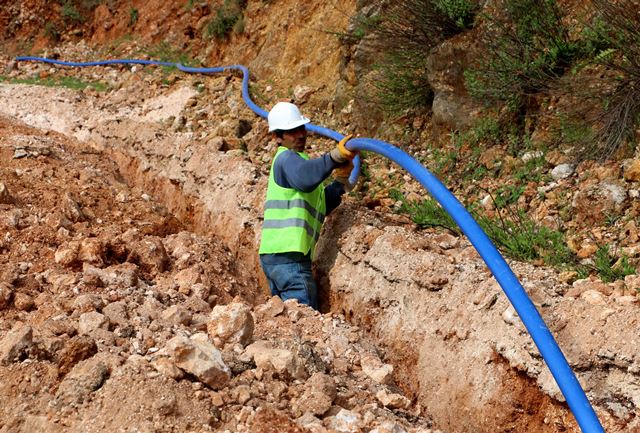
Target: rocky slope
(131,219)
(116,316)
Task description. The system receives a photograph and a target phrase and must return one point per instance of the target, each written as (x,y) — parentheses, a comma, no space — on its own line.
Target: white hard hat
(285,116)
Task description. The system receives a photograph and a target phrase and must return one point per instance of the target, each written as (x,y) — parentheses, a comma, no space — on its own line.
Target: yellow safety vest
(292,219)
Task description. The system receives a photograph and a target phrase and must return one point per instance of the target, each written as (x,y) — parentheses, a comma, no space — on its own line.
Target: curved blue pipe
(542,337)
(353,178)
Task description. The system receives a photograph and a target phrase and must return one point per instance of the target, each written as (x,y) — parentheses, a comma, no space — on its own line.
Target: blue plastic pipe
(542,337)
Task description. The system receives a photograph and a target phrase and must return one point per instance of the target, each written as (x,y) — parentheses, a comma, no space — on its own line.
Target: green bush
(363,25)
(462,12)
(133,16)
(486,130)
(408,30)
(613,40)
(74,12)
(227,16)
(518,237)
(522,239)
(426,213)
(165,52)
(574,131)
(609,268)
(70,14)
(526,50)
(402,83)
(532,171)
(67,82)
(507,195)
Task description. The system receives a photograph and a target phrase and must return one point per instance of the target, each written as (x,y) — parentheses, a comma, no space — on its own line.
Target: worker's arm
(293,171)
(333,195)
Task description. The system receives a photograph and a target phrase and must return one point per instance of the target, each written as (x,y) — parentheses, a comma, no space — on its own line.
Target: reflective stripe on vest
(290,204)
(291,222)
(292,219)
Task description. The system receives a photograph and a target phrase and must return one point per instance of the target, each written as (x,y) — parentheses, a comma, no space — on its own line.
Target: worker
(297,203)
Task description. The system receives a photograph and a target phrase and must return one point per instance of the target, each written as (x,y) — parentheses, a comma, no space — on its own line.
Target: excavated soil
(127,222)
(97,279)
(131,297)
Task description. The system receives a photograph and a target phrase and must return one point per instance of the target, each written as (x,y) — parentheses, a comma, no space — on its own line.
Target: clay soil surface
(104,293)
(130,294)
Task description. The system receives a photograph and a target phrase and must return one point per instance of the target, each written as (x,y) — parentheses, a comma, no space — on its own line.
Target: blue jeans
(292,281)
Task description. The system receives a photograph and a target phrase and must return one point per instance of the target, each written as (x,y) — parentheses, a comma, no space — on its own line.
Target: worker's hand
(341,154)
(342,174)
(343,170)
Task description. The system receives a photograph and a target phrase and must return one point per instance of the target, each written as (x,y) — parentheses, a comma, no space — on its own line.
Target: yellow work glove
(342,174)
(341,154)
(343,171)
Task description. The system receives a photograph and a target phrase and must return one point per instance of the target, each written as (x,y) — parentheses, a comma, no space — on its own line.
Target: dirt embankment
(130,216)
(458,349)
(115,315)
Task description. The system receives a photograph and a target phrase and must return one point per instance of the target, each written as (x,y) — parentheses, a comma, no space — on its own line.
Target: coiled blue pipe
(557,363)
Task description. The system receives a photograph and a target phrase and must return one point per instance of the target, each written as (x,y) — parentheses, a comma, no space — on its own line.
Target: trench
(193,214)
(432,379)
(517,404)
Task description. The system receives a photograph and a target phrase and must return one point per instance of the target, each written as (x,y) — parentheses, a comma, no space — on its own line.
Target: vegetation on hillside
(529,50)
(229,17)
(73,13)
(408,31)
(614,42)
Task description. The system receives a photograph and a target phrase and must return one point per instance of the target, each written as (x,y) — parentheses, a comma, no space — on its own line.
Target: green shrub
(531,171)
(613,40)
(609,268)
(408,30)
(575,132)
(73,12)
(70,14)
(507,195)
(522,239)
(461,12)
(526,50)
(486,130)
(226,18)
(519,237)
(67,82)
(133,16)
(426,213)
(443,162)
(402,83)
(363,25)
(165,52)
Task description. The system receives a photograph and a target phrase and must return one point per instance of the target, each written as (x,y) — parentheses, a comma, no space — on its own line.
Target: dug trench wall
(426,297)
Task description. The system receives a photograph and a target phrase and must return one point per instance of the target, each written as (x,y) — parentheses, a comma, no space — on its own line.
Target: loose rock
(231,323)
(15,344)
(376,369)
(201,359)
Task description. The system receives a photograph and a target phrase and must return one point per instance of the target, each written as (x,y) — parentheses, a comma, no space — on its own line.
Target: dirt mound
(129,289)
(200,155)
(115,316)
